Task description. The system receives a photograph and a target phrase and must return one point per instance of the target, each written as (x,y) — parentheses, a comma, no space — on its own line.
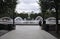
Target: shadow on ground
(55,34)
(2,32)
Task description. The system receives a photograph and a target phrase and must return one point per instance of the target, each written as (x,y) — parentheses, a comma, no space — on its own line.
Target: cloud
(27,6)
(27,1)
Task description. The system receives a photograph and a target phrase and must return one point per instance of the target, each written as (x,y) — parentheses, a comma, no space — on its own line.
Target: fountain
(18,20)
(29,15)
(39,18)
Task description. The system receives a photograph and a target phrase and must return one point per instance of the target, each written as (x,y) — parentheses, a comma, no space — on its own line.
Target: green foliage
(23,15)
(49,5)
(7,8)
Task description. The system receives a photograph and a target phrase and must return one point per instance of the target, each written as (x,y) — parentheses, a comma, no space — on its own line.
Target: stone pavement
(2,32)
(28,32)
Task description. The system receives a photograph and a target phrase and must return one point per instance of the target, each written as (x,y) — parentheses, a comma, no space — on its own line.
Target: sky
(27,6)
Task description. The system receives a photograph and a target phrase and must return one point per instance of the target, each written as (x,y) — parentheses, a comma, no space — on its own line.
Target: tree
(49,5)
(7,7)
(46,5)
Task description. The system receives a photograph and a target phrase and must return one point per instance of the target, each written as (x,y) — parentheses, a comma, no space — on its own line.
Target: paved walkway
(2,32)
(27,32)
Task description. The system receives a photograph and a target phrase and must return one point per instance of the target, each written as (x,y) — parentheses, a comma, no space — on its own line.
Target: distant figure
(44,22)
(40,22)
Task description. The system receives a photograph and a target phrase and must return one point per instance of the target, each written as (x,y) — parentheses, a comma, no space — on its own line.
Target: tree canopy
(7,7)
(48,6)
